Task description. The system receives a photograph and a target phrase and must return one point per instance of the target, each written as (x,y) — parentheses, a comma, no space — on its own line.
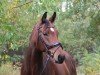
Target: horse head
(45,38)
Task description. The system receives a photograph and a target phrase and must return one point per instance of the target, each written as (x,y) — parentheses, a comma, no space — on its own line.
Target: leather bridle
(48,47)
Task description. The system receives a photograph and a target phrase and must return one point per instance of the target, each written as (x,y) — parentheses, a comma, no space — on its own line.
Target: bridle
(48,47)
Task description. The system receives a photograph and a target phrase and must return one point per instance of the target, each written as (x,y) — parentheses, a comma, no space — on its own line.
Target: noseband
(48,47)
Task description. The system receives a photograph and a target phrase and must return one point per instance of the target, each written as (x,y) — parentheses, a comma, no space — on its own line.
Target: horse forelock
(47,22)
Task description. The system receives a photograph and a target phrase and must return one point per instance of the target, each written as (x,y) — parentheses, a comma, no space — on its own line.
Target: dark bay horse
(45,54)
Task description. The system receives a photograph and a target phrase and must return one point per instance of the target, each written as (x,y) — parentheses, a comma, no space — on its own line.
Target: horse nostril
(61,58)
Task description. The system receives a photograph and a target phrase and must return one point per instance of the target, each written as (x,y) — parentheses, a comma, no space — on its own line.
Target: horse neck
(33,61)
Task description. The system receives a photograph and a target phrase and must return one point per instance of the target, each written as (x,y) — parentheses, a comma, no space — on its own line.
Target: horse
(45,54)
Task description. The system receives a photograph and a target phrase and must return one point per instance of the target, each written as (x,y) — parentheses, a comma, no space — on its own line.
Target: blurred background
(78,23)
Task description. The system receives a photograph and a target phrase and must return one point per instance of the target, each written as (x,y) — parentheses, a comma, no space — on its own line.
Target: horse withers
(45,54)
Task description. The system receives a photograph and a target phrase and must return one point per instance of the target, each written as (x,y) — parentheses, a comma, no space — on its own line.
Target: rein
(47,47)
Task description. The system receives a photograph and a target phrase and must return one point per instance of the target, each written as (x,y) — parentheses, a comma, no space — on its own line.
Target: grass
(7,69)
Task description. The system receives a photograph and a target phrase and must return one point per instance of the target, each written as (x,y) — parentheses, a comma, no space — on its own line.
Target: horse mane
(32,58)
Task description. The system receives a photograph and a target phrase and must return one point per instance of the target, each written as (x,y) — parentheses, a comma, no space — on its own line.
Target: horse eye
(45,34)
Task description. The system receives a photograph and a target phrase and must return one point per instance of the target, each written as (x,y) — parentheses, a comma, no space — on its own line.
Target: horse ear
(44,17)
(53,17)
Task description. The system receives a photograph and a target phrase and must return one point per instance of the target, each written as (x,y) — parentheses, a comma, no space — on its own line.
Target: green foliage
(91,64)
(94,28)
(79,26)
(7,69)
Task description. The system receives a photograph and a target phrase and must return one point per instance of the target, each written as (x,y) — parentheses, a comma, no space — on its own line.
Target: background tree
(78,25)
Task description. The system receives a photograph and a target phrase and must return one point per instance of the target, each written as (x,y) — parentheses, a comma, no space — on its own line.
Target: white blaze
(52,29)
